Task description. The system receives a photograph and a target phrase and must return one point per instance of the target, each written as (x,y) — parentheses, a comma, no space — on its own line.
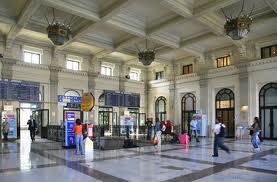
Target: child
(184,138)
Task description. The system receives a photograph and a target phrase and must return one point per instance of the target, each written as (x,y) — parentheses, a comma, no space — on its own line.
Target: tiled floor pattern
(46,160)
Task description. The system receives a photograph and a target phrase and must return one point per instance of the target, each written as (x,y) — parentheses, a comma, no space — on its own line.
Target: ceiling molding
(184,8)
(109,13)
(213,22)
(114,9)
(29,9)
(211,6)
(129,41)
(157,28)
(272,4)
(73,9)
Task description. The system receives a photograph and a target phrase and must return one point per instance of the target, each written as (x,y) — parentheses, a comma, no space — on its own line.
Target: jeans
(79,144)
(159,135)
(219,142)
(194,132)
(255,140)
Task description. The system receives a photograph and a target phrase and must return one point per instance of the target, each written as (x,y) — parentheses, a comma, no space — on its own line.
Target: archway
(188,109)
(268,110)
(225,110)
(160,108)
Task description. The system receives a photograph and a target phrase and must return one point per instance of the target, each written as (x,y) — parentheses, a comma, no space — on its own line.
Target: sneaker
(214,155)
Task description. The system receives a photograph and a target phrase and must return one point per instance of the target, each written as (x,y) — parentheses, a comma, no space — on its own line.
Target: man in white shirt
(193,128)
(219,131)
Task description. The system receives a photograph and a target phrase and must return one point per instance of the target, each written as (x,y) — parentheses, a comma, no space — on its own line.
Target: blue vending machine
(70,117)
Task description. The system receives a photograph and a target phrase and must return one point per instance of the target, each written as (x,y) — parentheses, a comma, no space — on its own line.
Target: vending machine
(70,117)
(10,117)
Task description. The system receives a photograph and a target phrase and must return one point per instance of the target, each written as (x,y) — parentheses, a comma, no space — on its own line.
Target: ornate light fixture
(58,33)
(146,56)
(238,27)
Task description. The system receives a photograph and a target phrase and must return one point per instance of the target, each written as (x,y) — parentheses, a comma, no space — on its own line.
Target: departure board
(121,99)
(19,90)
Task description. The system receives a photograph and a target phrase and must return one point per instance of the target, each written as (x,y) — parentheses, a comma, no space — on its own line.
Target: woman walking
(254,132)
(78,128)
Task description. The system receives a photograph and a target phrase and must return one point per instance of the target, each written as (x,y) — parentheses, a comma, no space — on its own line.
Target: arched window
(268,110)
(225,99)
(188,109)
(224,104)
(72,93)
(160,108)
(101,100)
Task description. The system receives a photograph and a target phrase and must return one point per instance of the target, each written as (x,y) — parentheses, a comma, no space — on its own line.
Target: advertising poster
(11,118)
(70,118)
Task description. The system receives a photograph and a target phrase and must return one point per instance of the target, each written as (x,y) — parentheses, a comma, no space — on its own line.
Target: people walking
(219,131)
(158,131)
(5,129)
(78,130)
(255,134)
(32,126)
(193,128)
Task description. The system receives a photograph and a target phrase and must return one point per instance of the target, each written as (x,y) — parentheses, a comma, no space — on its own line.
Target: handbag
(154,140)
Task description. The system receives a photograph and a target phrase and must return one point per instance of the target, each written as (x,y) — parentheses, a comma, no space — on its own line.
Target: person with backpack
(219,131)
(254,132)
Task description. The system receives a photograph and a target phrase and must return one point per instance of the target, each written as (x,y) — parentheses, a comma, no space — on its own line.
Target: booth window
(31,57)
(187,69)
(223,61)
(106,70)
(159,75)
(270,51)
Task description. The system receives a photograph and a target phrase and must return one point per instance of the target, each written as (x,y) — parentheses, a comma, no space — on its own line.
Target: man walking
(219,131)
(32,127)
(193,127)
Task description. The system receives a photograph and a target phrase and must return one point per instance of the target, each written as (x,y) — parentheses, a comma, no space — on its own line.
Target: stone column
(244,95)
(54,82)
(93,71)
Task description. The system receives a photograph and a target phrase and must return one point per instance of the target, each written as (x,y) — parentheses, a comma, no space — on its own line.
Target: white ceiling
(115,28)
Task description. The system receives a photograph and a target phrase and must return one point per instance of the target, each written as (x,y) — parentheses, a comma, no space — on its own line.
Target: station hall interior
(137,72)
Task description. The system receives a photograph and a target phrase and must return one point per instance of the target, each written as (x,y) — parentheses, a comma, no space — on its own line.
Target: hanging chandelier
(146,56)
(58,33)
(238,28)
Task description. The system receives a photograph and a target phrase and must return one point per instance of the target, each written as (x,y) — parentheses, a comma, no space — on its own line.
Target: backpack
(222,131)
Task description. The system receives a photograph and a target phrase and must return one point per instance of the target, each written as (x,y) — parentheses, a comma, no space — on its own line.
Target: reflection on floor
(45,160)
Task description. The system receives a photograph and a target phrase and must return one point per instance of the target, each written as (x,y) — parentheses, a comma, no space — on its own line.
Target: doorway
(106,119)
(188,109)
(268,110)
(42,118)
(23,115)
(225,110)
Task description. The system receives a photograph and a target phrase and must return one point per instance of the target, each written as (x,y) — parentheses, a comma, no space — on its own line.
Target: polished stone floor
(44,160)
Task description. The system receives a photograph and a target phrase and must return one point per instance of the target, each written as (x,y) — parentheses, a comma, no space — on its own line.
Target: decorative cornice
(100,76)
(74,72)
(9,61)
(53,68)
(32,66)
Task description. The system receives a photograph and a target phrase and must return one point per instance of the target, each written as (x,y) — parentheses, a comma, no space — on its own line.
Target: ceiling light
(238,27)
(146,56)
(58,33)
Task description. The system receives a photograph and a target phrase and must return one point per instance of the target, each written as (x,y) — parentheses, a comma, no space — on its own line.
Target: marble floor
(45,160)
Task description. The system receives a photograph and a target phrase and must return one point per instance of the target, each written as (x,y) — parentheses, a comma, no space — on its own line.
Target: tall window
(31,57)
(187,69)
(223,61)
(269,51)
(159,75)
(160,108)
(72,64)
(106,70)
(188,109)
(134,75)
